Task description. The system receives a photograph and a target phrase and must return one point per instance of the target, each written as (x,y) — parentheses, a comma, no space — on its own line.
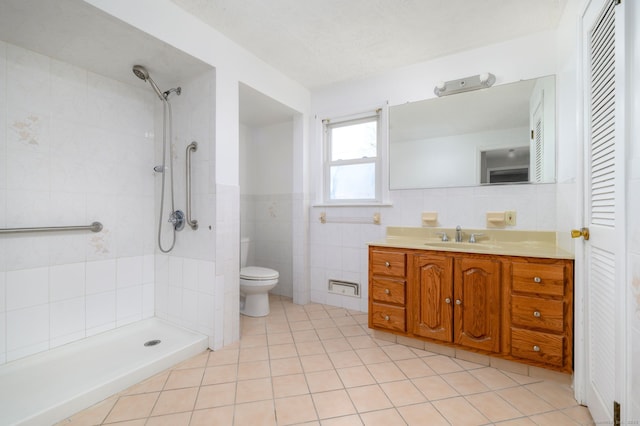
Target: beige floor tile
(301,325)
(333,404)
(422,352)
(310,348)
(345,321)
(398,352)
(139,422)
(292,385)
(352,330)
(258,353)
(282,351)
(179,419)
(442,364)
(339,344)
(196,361)
(220,416)
(223,357)
(580,414)
(369,398)
(312,363)
(402,393)
(93,415)
(422,415)
(152,384)
(322,381)
(434,388)
(336,312)
(464,383)
(344,359)
(293,316)
(524,421)
(459,412)
(524,400)
(253,370)
(253,341)
(279,338)
(254,390)
(468,365)
(216,395)
(493,378)
(278,327)
(260,413)
(175,401)
(305,336)
(285,366)
(493,407)
(362,342)
(386,372)
(326,328)
(295,410)
(186,378)
(132,407)
(355,376)
(556,418)
(521,379)
(372,355)
(353,420)
(319,314)
(558,395)
(414,368)
(220,374)
(386,417)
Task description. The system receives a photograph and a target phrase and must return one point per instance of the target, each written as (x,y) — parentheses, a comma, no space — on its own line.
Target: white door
(604,254)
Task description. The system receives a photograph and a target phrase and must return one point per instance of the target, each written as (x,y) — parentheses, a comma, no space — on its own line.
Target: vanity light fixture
(475,82)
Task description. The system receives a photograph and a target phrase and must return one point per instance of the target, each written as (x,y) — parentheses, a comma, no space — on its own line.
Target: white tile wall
(72,150)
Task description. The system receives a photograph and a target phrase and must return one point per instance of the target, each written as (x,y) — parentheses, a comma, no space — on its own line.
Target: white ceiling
(322,42)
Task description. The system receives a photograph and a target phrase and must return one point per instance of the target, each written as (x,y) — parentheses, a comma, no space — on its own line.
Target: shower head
(142,73)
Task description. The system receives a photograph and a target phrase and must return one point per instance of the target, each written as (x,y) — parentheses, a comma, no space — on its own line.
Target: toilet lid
(258,273)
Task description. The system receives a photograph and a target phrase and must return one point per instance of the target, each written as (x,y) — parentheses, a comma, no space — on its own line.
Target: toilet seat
(257,273)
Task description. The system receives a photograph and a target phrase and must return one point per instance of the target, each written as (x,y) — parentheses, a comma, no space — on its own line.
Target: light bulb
(484,77)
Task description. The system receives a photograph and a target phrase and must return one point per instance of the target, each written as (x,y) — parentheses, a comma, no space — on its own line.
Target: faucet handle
(444,235)
(472,238)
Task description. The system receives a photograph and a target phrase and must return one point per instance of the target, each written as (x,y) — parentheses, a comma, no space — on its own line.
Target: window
(352,166)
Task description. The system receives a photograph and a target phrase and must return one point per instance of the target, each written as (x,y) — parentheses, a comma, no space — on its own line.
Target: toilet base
(255,305)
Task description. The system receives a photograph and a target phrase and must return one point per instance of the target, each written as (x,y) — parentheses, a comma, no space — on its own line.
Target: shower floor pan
(45,388)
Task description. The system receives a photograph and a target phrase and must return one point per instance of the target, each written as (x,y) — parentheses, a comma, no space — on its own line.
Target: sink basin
(480,245)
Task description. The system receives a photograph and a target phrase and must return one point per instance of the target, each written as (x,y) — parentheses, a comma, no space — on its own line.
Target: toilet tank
(244,251)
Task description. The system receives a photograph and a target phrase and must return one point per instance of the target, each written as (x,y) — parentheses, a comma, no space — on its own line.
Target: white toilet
(255,283)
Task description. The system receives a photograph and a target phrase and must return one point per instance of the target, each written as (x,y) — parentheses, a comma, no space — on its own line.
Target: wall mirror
(501,135)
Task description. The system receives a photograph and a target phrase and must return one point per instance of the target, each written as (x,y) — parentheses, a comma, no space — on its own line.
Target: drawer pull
(387,291)
(537,280)
(387,264)
(458,302)
(536,348)
(386,318)
(536,314)
(447,300)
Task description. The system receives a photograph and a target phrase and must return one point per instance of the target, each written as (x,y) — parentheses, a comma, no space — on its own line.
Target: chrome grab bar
(192,147)
(94,227)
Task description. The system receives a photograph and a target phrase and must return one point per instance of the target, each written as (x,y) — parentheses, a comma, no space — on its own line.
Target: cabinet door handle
(386,318)
(387,291)
(447,300)
(458,302)
(536,314)
(536,348)
(387,264)
(537,280)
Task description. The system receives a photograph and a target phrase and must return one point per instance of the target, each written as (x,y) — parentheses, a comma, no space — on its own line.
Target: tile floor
(319,365)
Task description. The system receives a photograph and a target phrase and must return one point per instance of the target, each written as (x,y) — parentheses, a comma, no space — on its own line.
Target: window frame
(379,115)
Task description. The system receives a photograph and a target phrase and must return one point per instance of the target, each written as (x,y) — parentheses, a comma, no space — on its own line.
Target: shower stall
(82,141)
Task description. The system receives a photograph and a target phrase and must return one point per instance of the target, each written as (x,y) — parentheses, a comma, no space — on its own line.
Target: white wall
(72,151)
(339,250)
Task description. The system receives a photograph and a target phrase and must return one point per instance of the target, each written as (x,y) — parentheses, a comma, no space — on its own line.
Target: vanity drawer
(538,278)
(389,263)
(390,317)
(537,346)
(534,312)
(388,291)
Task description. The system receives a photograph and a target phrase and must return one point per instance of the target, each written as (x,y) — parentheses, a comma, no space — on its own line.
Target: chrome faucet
(458,234)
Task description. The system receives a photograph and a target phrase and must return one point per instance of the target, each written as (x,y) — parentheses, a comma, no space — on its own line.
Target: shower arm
(192,147)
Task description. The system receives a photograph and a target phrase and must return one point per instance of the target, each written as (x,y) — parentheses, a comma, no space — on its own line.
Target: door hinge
(616,413)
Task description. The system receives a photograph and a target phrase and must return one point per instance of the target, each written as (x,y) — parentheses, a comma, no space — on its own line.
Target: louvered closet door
(604,173)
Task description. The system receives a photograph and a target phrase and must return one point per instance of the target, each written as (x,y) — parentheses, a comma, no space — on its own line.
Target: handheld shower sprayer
(142,73)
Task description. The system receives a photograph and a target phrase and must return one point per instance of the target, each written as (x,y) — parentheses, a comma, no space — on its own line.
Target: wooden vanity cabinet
(515,308)
(457,300)
(387,289)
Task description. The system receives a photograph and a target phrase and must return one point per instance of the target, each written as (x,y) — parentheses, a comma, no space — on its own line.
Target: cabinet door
(477,303)
(432,308)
